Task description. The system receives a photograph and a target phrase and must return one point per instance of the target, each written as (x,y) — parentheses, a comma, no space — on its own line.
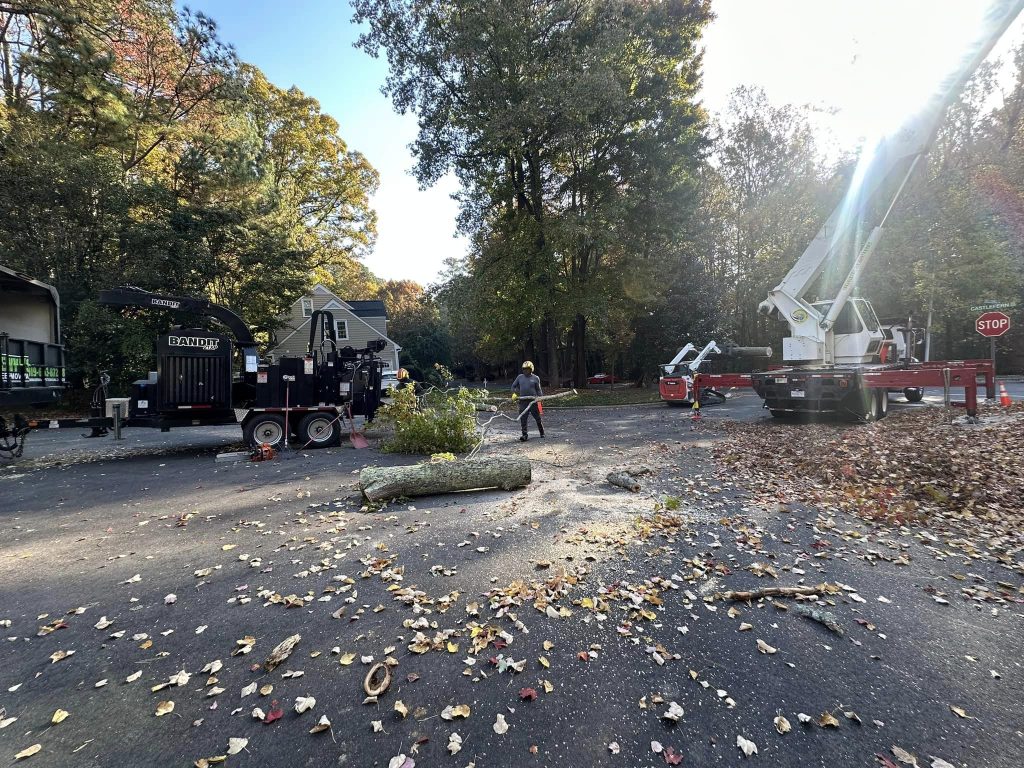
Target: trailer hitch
(12,438)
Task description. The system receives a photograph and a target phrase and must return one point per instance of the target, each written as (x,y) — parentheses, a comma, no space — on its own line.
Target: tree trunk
(551,348)
(380,483)
(579,343)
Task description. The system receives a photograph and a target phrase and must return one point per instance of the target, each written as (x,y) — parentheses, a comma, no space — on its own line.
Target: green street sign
(988,306)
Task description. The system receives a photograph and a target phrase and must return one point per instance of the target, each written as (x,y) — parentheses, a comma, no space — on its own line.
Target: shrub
(441,421)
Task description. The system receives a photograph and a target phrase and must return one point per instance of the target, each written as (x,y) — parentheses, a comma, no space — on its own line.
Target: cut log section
(383,483)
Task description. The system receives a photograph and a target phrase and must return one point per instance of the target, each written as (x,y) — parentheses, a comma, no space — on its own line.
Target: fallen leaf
(133,677)
(451,712)
(763,647)
(4,722)
(322,725)
(903,756)
(675,712)
(500,726)
(236,745)
(28,752)
(747,747)
(347,659)
(275,713)
(164,708)
(656,747)
(401,709)
(827,720)
(614,747)
(454,743)
(401,761)
(304,704)
(938,762)
(672,757)
(170,599)
(959,712)
(58,656)
(249,690)
(782,724)
(528,694)
(266,690)
(59,716)
(281,652)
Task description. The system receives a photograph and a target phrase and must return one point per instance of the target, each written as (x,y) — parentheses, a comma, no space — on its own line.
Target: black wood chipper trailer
(206,378)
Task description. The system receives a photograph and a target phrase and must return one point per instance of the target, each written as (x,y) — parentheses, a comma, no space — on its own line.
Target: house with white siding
(357,323)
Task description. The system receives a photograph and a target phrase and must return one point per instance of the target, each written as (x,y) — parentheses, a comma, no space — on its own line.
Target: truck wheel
(319,430)
(883,403)
(872,409)
(264,428)
(913,394)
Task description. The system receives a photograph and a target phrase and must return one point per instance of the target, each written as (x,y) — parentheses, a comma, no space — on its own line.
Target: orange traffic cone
(1004,396)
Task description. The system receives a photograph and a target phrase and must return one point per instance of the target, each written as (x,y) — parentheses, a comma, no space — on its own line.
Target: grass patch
(624,395)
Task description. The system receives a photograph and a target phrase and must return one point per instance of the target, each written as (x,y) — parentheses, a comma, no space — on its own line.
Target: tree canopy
(136,148)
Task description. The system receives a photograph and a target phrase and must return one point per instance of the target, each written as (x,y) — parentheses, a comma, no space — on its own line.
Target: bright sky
(859,57)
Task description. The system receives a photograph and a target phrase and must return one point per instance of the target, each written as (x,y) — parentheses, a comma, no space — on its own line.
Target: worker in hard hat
(405,380)
(525,390)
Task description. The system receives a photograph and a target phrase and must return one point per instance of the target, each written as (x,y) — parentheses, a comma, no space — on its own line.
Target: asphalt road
(112,536)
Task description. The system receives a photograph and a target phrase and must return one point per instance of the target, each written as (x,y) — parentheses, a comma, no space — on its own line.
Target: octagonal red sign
(992,324)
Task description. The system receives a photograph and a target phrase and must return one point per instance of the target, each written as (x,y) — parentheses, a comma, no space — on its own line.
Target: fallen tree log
(382,483)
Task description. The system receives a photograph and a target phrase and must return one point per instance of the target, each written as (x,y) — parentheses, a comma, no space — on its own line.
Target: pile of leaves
(911,467)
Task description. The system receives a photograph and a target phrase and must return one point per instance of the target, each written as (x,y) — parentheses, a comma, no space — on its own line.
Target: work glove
(515,396)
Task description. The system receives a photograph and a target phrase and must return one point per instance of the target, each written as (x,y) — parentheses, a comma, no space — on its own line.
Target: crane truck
(837,357)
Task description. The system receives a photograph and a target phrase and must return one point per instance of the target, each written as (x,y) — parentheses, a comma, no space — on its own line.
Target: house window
(341,326)
(307,307)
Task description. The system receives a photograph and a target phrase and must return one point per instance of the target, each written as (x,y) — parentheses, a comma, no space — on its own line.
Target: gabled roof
(370,308)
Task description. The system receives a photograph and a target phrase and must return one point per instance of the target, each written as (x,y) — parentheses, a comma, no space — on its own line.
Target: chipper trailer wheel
(264,428)
(319,430)
(913,394)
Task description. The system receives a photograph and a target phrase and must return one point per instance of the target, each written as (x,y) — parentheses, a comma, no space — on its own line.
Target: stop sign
(992,324)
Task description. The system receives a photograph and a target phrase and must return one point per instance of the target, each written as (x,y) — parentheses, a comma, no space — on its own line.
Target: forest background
(610,217)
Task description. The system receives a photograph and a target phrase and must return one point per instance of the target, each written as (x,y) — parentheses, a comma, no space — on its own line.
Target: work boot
(523,439)
(542,433)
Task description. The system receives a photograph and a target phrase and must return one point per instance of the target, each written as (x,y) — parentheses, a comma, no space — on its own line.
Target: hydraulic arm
(887,166)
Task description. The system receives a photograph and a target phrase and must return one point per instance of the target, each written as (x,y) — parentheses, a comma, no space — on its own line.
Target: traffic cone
(1004,396)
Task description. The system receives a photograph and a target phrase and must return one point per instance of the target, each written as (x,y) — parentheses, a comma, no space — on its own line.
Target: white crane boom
(895,158)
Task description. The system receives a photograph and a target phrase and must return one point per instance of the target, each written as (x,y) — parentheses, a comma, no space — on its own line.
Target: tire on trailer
(264,428)
(871,407)
(913,394)
(319,430)
(883,402)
